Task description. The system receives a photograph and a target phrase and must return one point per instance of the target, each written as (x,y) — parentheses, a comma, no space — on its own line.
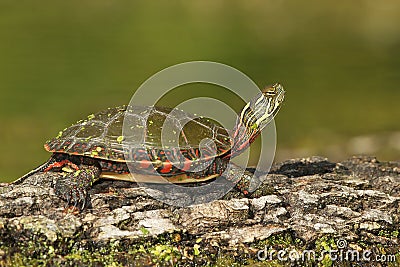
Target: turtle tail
(40,168)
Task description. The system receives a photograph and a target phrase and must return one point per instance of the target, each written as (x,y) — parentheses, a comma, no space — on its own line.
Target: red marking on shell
(47,147)
(167,166)
(145,164)
(187,164)
(67,143)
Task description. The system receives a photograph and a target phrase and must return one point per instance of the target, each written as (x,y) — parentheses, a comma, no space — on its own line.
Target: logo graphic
(341,243)
(193,136)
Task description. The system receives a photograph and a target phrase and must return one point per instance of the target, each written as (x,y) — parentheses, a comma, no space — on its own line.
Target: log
(307,204)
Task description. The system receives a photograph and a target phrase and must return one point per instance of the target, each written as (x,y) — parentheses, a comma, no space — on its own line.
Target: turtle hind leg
(75,185)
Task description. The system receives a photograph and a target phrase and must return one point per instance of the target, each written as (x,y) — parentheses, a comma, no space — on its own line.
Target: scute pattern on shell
(100,135)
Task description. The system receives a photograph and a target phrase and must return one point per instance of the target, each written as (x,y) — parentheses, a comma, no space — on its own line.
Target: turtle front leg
(244,180)
(74,186)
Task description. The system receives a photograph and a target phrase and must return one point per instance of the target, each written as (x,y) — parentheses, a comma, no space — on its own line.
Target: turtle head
(256,115)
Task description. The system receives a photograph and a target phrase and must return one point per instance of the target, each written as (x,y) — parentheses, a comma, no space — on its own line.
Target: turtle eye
(273,90)
(270,92)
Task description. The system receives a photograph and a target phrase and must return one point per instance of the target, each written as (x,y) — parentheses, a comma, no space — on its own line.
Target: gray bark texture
(308,204)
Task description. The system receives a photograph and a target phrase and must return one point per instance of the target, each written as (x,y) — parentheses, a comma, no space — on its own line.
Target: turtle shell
(139,134)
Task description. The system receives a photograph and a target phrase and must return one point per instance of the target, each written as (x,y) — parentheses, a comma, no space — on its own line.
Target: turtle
(127,143)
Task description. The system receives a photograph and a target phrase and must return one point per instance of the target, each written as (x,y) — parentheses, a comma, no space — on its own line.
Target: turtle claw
(74,186)
(68,199)
(67,190)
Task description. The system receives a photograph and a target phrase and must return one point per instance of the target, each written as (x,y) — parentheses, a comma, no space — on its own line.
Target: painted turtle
(95,148)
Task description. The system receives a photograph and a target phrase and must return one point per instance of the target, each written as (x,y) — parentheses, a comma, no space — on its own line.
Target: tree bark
(307,204)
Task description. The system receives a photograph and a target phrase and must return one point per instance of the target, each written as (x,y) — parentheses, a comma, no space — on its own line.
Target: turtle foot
(75,185)
(73,194)
(244,180)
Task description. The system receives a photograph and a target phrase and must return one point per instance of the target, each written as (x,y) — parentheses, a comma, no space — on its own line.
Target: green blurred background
(338,60)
